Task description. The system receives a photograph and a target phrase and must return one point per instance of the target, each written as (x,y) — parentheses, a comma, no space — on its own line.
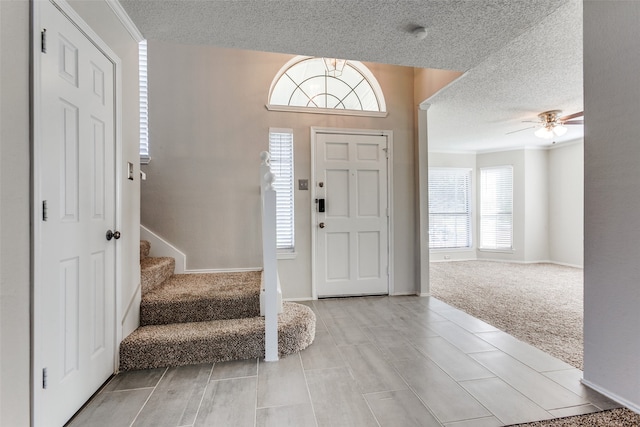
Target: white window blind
(281,149)
(449,208)
(144,105)
(496,208)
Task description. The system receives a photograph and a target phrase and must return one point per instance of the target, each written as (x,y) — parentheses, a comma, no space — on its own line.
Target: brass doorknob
(321,225)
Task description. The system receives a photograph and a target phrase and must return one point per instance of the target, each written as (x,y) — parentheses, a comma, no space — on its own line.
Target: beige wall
(612,199)
(15,351)
(566,204)
(429,81)
(208,125)
(14,214)
(536,206)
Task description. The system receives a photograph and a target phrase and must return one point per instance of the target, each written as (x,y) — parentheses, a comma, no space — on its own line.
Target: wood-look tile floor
(376,361)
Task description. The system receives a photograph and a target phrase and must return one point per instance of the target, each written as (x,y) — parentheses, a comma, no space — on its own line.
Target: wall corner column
(422,198)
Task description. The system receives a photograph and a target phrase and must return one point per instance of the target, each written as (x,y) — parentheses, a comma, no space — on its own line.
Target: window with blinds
(281,149)
(496,208)
(449,208)
(144,105)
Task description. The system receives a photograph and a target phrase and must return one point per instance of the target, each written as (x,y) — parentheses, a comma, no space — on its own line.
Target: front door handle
(113,235)
(321,225)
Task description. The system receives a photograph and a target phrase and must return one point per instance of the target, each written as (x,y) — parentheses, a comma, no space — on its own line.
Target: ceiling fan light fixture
(544,133)
(559,130)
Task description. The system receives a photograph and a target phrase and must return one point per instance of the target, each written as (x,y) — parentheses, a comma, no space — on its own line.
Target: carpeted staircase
(202,318)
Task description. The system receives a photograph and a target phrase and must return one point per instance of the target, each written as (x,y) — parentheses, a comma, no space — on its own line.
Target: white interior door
(75,279)
(352,233)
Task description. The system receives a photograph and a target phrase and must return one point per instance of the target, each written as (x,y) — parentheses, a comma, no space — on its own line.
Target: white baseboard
(513,261)
(221,270)
(455,260)
(424,294)
(160,247)
(624,402)
(581,267)
(298,299)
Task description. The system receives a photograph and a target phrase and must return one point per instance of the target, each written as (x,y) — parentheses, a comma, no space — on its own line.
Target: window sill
(287,255)
(501,251)
(361,113)
(436,250)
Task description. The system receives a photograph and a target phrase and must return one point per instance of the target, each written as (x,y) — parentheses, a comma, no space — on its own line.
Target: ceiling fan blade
(574,122)
(571,116)
(520,130)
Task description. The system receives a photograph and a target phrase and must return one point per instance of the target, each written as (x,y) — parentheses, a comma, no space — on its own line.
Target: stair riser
(202,310)
(159,346)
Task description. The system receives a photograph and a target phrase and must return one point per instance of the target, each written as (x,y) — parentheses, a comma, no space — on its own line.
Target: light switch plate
(303,184)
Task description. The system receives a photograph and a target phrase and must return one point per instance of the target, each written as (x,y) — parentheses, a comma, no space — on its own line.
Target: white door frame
(314,216)
(37,140)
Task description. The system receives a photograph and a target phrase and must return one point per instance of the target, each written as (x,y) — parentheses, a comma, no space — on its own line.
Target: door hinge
(386,152)
(43,41)
(44,378)
(44,210)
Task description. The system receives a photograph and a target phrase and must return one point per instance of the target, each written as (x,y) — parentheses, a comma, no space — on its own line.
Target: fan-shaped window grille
(305,84)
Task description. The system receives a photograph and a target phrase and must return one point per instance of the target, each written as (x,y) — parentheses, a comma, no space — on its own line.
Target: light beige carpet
(540,304)
(537,303)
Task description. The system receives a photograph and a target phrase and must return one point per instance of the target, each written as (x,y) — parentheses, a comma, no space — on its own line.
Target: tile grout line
(392,365)
(458,383)
(515,390)
(306,382)
(536,372)
(255,410)
(371,409)
(148,397)
(414,392)
(204,392)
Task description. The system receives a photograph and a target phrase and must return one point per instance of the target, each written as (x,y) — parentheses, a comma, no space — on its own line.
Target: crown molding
(123,16)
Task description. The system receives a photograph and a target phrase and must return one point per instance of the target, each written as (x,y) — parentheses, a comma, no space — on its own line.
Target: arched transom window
(322,85)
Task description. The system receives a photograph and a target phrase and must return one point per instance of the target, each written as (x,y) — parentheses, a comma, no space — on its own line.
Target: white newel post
(270,272)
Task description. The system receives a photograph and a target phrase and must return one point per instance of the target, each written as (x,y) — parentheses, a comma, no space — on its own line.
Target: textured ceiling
(521,57)
(538,71)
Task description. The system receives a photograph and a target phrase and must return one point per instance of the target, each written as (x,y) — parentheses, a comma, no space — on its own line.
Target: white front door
(75,264)
(352,227)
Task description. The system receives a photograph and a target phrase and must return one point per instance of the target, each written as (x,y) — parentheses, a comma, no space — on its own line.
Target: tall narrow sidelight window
(496,208)
(449,208)
(144,105)
(281,149)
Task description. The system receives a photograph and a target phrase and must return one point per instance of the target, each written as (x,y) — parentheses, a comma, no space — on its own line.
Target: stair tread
(155,261)
(179,344)
(202,297)
(154,271)
(145,247)
(190,287)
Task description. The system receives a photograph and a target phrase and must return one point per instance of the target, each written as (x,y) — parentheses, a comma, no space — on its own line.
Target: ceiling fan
(550,124)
